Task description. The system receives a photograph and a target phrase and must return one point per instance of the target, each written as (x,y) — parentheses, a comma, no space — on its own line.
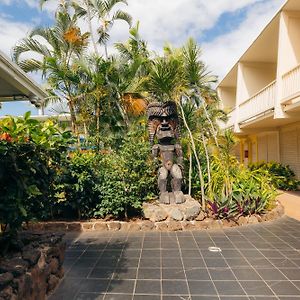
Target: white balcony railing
(261,102)
(291,83)
(231,118)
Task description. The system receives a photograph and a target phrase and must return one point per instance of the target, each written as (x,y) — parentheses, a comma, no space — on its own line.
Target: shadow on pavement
(93,265)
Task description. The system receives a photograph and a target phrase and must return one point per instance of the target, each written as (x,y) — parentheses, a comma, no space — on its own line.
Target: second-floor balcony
(291,84)
(285,91)
(259,103)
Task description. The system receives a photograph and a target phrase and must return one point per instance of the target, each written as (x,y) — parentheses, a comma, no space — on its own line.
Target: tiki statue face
(163,122)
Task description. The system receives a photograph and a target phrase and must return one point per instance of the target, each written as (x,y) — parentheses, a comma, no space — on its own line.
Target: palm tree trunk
(98,124)
(207,159)
(98,119)
(208,118)
(105,50)
(211,125)
(196,156)
(73,117)
(85,129)
(91,27)
(121,110)
(190,169)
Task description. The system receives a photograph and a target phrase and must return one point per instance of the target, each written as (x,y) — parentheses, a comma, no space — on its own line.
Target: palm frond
(80,11)
(98,7)
(194,67)
(27,45)
(109,4)
(103,36)
(30,65)
(124,51)
(165,78)
(134,31)
(121,15)
(42,2)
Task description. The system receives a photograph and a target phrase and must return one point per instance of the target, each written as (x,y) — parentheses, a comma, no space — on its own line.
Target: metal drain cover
(214,249)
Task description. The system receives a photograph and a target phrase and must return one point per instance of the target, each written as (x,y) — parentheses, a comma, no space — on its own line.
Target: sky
(223,28)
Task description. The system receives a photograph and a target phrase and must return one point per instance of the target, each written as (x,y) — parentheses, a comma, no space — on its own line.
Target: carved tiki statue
(163,123)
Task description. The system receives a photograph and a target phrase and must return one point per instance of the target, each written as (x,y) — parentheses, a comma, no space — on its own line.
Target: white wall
(228,96)
(289,45)
(254,77)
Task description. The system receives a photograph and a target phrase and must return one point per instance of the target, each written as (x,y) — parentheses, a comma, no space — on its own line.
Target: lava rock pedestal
(187,211)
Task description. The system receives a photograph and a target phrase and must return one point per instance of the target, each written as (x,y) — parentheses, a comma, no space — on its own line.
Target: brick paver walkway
(256,262)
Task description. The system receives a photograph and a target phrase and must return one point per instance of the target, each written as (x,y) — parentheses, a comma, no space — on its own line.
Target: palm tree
(123,80)
(63,5)
(54,49)
(102,10)
(132,65)
(202,97)
(82,7)
(94,92)
(109,91)
(135,49)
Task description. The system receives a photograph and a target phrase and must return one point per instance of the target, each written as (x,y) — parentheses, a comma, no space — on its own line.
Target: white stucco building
(262,93)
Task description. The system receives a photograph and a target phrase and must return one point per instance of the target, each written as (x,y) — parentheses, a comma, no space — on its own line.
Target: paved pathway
(257,262)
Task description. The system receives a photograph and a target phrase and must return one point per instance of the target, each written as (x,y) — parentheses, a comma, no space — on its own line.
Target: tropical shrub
(30,153)
(233,189)
(251,193)
(109,182)
(77,186)
(128,176)
(282,176)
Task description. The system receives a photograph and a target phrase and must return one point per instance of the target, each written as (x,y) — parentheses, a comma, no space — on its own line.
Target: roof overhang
(264,47)
(15,85)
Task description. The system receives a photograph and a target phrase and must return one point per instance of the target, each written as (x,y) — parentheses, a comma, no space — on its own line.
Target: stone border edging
(147,225)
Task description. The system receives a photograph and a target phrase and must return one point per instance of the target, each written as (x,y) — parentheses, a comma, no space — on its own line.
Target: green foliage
(128,177)
(109,182)
(282,177)
(234,190)
(253,192)
(40,181)
(30,153)
(250,193)
(77,186)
